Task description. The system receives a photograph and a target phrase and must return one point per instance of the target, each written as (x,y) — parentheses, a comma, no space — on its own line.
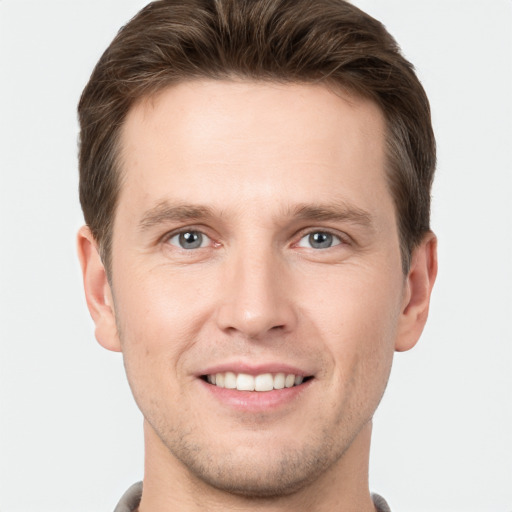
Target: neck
(170,486)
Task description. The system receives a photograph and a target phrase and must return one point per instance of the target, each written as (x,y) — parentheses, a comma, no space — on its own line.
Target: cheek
(159,302)
(159,316)
(356,304)
(357,318)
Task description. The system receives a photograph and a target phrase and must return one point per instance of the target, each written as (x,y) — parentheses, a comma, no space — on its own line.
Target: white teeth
(289,381)
(230,380)
(279,381)
(246,382)
(264,382)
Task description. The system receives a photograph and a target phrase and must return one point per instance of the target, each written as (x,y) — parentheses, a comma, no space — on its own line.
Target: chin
(282,478)
(262,473)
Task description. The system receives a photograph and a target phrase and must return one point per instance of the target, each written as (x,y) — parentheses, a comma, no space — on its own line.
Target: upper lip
(254,369)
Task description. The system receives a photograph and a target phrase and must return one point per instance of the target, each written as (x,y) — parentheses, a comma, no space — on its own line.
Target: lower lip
(256,401)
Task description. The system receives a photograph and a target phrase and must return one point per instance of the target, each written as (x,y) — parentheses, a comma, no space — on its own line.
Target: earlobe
(97,291)
(417,291)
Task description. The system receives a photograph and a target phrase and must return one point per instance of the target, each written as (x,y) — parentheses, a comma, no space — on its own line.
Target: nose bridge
(255,298)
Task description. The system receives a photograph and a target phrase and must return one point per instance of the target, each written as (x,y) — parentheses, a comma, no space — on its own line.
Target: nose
(256,298)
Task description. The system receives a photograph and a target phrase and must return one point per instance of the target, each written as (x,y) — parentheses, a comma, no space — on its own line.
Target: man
(255,177)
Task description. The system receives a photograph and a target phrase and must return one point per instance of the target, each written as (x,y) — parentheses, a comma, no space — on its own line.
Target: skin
(256,168)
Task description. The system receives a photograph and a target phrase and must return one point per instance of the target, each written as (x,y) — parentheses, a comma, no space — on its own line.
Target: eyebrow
(166,212)
(336,212)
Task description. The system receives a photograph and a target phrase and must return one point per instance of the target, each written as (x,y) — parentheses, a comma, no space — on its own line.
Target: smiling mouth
(262,382)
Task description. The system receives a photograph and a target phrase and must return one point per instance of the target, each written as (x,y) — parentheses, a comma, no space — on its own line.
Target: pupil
(320,240)
(191,240)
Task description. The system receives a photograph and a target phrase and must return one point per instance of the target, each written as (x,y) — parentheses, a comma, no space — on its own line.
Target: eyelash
(169,236)
(340,238)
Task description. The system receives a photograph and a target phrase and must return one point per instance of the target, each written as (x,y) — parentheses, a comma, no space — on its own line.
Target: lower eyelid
(337,239)
(208,241)
(205,242)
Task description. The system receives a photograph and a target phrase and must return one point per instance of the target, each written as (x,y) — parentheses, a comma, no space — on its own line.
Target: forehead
(227,142)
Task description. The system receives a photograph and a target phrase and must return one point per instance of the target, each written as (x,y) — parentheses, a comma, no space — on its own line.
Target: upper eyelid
(165,241)
(299,234)
(206,240)
(185,229)
(344,237)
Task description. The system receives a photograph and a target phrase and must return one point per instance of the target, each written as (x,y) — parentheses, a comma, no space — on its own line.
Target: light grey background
(70,434)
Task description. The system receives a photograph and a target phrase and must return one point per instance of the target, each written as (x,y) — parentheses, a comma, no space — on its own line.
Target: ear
(417,290)
(97,291)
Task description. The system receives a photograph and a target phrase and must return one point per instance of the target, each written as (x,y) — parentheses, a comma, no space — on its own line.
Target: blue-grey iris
(320,240)
(190,239)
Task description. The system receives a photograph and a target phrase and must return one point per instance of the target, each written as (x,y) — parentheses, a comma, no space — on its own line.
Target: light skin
(255,233)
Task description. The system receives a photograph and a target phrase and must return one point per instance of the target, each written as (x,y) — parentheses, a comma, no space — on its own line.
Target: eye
(319,240)
(189,240)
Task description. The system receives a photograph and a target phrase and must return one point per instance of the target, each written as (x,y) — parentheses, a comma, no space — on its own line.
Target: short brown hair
(289,41)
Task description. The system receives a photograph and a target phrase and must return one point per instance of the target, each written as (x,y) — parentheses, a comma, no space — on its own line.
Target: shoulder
(130,499)
(380,503)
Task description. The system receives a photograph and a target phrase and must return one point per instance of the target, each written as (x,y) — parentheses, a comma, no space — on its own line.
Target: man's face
(255,235)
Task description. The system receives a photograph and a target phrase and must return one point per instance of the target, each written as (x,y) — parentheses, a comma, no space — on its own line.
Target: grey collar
(131,499)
